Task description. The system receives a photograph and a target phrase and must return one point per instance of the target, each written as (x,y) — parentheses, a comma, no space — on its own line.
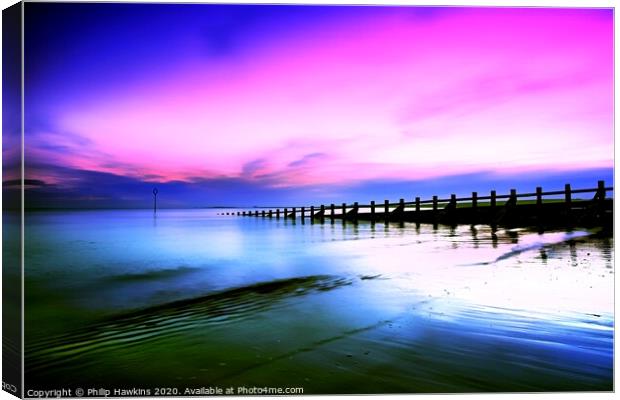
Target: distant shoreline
(140,208)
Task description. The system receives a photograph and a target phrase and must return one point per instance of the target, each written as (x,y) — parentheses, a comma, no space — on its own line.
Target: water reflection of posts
(573,253)
(543,256)
(474,235)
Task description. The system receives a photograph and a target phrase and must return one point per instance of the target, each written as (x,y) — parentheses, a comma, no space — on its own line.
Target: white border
(507,3)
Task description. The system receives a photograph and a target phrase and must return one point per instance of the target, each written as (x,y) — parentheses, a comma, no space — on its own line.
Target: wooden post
(262,213)
(417,209)
(322,213)
(372,211)
(493,208)
(243,214)
(434,207)
(386,207)
(285,212)
(448,210)
(311,212)
(401,206)
(602,193)
(567,198)
(277,213)
(294,213)
(474,208)
(332,211)
(303,213)
(344,209)
(539,198)
(513,197)
(270,214)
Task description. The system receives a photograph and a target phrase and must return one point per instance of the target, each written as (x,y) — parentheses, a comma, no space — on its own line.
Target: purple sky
(295,98)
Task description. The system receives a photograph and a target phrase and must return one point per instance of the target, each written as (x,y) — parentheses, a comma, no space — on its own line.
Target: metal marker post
(155,191)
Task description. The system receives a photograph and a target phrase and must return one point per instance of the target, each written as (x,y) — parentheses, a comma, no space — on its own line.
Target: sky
(290,105)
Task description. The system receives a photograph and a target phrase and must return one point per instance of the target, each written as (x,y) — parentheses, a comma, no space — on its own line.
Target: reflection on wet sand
(167,320)
(333,308)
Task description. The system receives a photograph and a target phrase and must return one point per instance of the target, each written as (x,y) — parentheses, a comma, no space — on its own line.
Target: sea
(195,300)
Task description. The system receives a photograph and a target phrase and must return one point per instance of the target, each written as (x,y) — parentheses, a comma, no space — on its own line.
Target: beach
(189,299)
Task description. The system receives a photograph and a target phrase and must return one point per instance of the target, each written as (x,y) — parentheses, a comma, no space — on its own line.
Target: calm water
(191,299)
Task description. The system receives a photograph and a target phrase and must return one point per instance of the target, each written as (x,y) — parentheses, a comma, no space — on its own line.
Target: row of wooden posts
(351,211)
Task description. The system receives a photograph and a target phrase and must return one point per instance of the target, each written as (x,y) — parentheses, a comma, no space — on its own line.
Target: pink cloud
(501,89)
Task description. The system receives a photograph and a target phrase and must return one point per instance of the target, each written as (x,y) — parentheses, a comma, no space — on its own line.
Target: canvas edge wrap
(12,205)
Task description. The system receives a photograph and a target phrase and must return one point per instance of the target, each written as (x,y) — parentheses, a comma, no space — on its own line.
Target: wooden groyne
(554,208)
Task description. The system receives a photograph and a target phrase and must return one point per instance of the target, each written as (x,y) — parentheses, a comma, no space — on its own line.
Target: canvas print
(245,199)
